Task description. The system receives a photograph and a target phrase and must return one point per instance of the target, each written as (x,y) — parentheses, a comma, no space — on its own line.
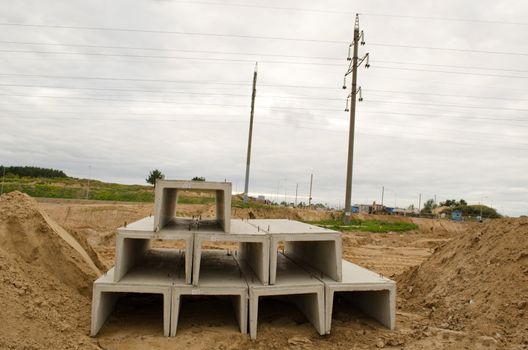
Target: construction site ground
(45,288)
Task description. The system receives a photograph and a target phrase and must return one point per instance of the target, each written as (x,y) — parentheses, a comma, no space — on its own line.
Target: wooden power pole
(246,184)
(310,196)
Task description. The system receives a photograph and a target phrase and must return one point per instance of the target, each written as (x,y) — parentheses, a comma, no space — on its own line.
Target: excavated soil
(45,282)
(45,286)
(476,282)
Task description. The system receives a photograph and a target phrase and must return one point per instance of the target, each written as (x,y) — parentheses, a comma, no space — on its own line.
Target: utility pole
(419,203)
(352,69)
(3,179)
(254,92)
(382,194)
(296,192)
(89,178)
(285,181)
(310,196)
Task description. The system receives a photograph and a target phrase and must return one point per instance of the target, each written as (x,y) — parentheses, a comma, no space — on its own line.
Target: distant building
(364,208)
(456,215)
(402,211)
(378,208)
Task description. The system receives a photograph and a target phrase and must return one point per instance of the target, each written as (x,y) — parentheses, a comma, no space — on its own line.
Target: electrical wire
(247,36)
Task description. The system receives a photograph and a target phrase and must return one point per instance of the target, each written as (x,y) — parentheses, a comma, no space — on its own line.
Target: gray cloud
(418,131)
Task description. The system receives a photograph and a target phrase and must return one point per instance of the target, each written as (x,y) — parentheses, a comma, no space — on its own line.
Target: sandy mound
(283,213)
(45,280)
(476,282)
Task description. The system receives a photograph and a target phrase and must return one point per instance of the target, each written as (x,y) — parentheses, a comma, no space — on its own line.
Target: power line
(179,103)
(341,12)
(448,105)
(166,49)
(69,77)
(444,95)
(449,66)
(450,49)
(207,59)
(311,108)
(223,52)
(121,90)
(168,92)
(247,36)
(247,95)
(442,142)
(457,117)
(452,72)
(451,19)
(154,31)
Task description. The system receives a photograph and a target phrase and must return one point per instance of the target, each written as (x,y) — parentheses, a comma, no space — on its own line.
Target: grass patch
(366,225)
(73,188)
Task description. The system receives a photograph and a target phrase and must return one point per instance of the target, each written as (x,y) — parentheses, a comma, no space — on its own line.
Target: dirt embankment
(45,280)
(476,282)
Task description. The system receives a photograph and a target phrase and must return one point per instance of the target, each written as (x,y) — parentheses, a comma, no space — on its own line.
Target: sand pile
(45,280)
(476,282)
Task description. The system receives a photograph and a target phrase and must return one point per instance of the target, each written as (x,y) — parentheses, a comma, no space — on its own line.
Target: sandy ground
(208,323)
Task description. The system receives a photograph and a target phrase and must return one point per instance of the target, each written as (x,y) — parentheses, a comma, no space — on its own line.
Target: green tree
(198,178)
(32,171)
(153,176)
(429,205)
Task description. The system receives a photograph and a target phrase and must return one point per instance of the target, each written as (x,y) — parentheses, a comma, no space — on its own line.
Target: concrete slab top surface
(356,275)
(285,226)
(179,228)
(219,270)
(243,227)
(195,185)
(289,275)
(239,230)
(158,267)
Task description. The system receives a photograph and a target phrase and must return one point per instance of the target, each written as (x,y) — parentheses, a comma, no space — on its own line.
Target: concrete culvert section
(370,304)
(156,273)
(305,291)
(134,240)
(141,313)
(368,291)
(253,248)
(166,199)
(312,245)
(220,276)
(207,310)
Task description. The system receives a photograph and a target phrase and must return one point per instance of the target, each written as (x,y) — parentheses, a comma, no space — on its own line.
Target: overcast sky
(129,86)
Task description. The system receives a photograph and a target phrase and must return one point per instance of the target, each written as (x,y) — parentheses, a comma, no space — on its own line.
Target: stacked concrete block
(308,268)
(292,281)
(157,273)
(166,199)
(253,248)
(135,240)
(316,246)
(220,275)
